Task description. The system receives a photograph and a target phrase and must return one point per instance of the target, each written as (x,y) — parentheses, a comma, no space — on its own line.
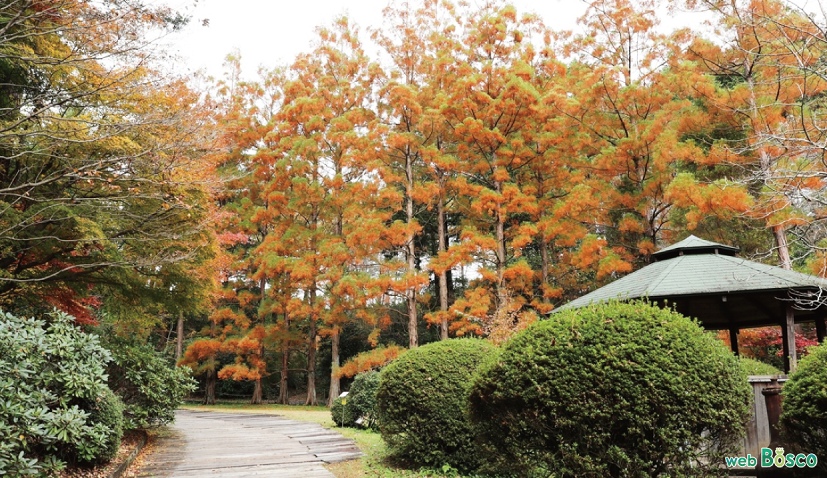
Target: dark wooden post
(733,340)
(788,340)
(785,348)
(820,326)
(772,399)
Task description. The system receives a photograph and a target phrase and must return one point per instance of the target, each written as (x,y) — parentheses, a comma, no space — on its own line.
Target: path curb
(117,472)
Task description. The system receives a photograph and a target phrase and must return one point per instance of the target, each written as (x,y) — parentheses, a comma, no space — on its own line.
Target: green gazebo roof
(704,279)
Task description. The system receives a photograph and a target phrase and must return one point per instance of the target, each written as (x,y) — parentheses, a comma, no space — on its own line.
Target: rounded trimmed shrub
(756,367)
(804,415)
(421,403)
(620,390)
(358,408)
(362,398)
(342,412)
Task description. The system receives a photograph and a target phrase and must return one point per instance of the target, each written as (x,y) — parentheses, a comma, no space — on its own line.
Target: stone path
(240,445)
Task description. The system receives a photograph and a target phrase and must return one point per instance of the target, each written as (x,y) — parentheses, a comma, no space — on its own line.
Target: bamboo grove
(462,170)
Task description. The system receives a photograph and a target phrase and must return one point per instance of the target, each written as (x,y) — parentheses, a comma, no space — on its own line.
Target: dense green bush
(52,379)
(756,367)
(362,398)
(804,417)
(150,386)
(421,403)
(108,411)
(342,413)
(358,408)
(621,390)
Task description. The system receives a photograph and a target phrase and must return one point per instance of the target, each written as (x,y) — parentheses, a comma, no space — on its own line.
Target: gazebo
(706,280)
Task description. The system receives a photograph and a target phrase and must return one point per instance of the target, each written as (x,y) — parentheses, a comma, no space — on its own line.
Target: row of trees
(483,169)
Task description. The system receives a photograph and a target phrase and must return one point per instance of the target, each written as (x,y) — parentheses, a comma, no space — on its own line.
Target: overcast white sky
(271,32)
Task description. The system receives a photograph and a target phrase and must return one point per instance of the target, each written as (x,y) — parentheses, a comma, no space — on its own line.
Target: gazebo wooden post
(788,340)
(820,325)
(733,329)
(733,339)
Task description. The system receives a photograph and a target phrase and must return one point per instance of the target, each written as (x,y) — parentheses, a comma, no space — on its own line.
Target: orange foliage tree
(324,205)
(489,110)
(769,84)
(417,146)
(627,98)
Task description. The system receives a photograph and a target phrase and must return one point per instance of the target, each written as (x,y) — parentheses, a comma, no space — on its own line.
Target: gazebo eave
(719,294)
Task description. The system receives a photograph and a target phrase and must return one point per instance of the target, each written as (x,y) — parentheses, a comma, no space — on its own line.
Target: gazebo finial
(694,245)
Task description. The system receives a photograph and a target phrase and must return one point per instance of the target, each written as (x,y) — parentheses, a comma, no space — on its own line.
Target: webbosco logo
(777,460)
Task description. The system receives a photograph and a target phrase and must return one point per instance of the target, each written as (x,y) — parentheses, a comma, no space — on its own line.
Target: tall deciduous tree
(417,144)
(770,83)
(238,322)
(628,97)
(489,111)
(324,193)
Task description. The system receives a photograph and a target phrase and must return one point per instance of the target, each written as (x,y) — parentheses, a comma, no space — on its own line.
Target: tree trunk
(545,265)
(500,238)
(783,247)
(284,392)
(284,397)
(334,368)
(179,341)
(209,388)
(413,339)
(257,394)
(335,381)
(311,351)
(766,174)
(443,276)
(449,278)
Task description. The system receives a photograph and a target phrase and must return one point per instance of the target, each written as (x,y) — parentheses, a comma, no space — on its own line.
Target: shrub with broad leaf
(55,406)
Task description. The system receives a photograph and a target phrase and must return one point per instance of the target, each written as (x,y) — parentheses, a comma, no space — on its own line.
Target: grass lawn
(375,463)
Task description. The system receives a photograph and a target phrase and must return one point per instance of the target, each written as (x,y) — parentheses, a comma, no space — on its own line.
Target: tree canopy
(103,182)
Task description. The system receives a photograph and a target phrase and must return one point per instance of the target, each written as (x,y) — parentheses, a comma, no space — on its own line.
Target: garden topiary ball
(621,390)
(421,403)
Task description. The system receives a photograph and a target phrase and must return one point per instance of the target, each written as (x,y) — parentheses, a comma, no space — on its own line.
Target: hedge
(804,416)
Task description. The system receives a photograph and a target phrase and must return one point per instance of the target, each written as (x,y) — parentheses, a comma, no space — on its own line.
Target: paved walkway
(240,445)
